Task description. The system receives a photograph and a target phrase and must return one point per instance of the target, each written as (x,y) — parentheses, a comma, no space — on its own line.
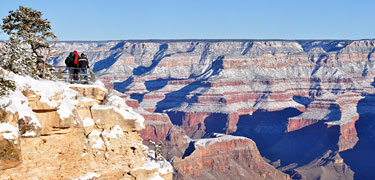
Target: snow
(94,136)
(88,176)
(9,131)
(126,113)
(45,88)
(116,101)
(66,108)
(88,122)
(29,134)
(101,107)
(125,110)
(97,84)
(115,132)
(163,166)
(18,103)
(218,138)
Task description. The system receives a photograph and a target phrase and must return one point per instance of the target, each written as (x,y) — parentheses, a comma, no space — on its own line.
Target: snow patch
(126,113)
(45,88)
(116,132)
(162,166)
(218,138)
(29,134)
(88,122)
(97,84)
(18,103)
(94,136)
(9,131)
(66,108)
(122,108)
(88,176)
(116,101)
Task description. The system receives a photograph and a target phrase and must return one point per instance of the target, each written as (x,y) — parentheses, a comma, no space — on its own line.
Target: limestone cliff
(53,130)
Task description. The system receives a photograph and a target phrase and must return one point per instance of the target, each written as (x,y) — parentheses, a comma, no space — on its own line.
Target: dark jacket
(83,62)
(69,61)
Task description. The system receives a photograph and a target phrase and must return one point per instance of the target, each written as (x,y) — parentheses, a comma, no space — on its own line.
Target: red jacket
(75,58)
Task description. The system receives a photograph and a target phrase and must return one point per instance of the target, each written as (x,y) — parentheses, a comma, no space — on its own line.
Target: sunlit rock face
(281,94)
(55,130)
(224,157)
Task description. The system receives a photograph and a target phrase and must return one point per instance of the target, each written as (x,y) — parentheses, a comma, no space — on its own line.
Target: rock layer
(239,159)
(265,90)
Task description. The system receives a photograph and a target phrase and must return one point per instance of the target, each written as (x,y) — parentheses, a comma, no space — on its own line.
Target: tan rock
(69,156)
(53,123)
(30,128)
(83,107)
(109,116)
(72,145)
(94,92)
(7,116)
(36,104)
(10,153)
(10,150)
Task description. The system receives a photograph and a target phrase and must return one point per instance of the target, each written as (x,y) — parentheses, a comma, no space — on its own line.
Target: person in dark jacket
(70,63)
(83,65)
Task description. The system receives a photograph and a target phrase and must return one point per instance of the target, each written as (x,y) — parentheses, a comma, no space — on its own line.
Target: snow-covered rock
(86,133)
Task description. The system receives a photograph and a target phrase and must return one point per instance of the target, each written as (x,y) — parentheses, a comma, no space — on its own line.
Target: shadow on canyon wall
(140,70)
(107,62)
(362,157)
(300,147)
(177,98)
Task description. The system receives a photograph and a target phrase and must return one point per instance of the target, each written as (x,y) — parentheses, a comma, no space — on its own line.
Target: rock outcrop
(278,93)
(224,157)
(52,130)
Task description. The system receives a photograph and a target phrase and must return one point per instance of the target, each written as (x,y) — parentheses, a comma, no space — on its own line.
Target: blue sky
(204,19)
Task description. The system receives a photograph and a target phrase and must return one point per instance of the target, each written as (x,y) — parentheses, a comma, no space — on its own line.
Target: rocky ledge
(52,130)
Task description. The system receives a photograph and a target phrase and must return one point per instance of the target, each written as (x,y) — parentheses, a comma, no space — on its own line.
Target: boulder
(10,149)
(109,116)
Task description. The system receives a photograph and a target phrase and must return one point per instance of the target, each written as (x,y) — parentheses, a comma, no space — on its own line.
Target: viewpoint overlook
(268,109)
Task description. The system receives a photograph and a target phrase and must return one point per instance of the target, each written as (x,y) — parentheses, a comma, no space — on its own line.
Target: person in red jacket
(76,70)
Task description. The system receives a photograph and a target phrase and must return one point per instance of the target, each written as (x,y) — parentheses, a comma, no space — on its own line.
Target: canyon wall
(298,100)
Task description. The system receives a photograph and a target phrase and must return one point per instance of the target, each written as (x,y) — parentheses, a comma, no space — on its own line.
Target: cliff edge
(54,130)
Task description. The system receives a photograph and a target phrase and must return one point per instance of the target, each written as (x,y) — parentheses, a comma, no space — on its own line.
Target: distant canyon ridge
(306,107)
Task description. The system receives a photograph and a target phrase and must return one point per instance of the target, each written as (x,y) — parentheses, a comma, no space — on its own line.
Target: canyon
(305,106)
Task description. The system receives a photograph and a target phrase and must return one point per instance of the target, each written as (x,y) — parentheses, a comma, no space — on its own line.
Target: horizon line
(209,40)
(176,40)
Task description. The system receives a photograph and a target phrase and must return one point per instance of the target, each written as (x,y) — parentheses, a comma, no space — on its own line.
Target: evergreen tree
(6,85)
(15,58)
(26,26)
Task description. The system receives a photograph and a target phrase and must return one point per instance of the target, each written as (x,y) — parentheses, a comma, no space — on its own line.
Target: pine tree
(26,26)
(15,58)
(6,85)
